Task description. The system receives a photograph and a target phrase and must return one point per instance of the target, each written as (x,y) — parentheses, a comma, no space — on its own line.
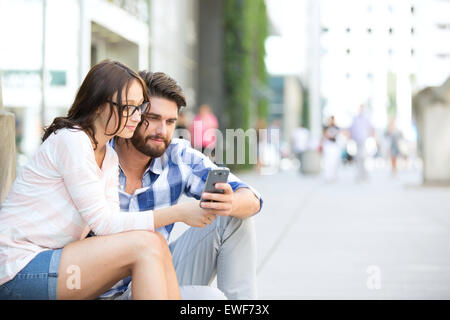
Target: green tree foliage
(246,28)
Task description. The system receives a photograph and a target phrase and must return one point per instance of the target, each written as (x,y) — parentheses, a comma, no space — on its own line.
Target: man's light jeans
(226,248)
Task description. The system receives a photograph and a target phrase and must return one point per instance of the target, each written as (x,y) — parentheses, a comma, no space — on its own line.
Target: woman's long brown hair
(101,83)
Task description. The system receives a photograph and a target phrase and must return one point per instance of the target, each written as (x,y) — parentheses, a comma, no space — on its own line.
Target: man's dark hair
(161,85)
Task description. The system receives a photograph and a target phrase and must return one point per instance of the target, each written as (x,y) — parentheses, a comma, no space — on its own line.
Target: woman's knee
(145,244)
(167,255)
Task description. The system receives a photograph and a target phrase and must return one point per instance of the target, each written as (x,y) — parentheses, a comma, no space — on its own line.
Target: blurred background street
(348,103)
(382,239)
(385,238)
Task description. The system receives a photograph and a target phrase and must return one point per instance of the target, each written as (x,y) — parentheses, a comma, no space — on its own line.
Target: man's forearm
(245,203)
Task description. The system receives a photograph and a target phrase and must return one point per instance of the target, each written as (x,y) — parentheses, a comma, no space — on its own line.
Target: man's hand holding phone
(216,199)
(221,203)
(212,204)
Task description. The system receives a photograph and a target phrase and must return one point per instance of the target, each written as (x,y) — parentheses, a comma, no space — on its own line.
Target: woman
(394,137)
(331,150)
(70,186)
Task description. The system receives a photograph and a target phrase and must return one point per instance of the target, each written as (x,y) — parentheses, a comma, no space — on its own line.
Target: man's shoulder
(181,151)
(182,145)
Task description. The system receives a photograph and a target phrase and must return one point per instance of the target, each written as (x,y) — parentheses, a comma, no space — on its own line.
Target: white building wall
(355,63)
(68,46)
(21,50)
(173,44)
(120,22)
(349,79)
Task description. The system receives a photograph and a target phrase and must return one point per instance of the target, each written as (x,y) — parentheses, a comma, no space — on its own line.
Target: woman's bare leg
(394,164)
(173,287)
(102,261)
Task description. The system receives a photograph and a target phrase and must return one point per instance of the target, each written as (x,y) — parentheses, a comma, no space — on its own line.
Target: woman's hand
(194,216)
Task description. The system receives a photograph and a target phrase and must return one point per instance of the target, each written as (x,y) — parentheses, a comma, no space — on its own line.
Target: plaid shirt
(180,170)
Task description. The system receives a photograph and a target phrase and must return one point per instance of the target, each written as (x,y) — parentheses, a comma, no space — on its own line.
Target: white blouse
(56,196)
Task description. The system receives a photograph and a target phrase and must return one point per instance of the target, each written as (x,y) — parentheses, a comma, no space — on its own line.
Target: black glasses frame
(142,107)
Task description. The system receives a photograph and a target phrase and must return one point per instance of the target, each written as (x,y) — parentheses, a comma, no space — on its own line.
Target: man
(360,130)
(156,170)
(331,150)
(300,138)
(204,122)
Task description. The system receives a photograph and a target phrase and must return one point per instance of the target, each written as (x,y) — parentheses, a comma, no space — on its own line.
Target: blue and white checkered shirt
(180,170)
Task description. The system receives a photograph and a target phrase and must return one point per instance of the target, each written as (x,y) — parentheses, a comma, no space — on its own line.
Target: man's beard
(140,143)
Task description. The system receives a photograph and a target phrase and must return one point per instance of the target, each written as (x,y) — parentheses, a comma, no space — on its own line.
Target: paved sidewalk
(387,238)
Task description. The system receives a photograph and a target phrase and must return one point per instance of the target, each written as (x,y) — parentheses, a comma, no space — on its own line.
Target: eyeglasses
(126,108)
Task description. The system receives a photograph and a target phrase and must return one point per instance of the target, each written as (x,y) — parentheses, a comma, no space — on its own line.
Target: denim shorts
(37,281)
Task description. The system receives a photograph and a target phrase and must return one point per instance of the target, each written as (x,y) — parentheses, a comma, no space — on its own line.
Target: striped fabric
(59,193)
(180,170)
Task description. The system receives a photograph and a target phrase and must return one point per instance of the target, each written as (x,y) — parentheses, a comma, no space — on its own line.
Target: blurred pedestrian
(203,130)
(360,131)
(181,121)
(331,150)
(299,138)
(181,129)
(261,139)
(272,153)
(394,136)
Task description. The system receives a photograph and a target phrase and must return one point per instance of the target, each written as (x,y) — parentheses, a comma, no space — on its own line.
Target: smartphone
(219,175)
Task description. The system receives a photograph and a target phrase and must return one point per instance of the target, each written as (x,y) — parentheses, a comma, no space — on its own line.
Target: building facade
(353,52)
(43,61)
